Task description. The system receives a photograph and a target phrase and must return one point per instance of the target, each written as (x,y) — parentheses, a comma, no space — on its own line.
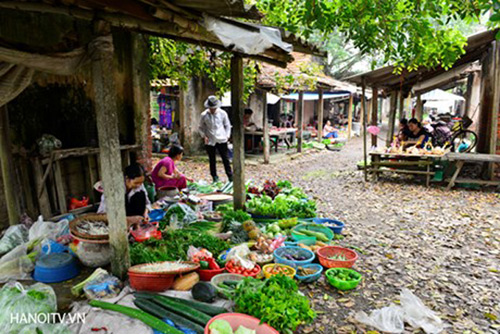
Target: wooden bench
(461,158)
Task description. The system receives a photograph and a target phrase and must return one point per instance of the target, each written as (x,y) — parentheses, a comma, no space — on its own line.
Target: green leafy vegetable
(220,326)
(275,301)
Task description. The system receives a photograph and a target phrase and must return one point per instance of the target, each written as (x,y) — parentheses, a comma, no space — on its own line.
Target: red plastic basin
(151,282)
(239,319)
(207,274)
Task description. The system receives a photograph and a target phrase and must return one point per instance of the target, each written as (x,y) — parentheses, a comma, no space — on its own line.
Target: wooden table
(461,158)
(403,163)
(276,135)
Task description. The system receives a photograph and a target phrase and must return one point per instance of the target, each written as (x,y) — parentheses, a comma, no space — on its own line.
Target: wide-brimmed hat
(212,102)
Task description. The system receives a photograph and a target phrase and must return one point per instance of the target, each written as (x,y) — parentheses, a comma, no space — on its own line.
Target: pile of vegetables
(283,206)
(221,326)
(174,246)
(276,301)
(308,230)
(234,267)
(184,316)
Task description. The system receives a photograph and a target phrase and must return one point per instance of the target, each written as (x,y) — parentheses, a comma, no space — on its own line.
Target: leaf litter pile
(443,246)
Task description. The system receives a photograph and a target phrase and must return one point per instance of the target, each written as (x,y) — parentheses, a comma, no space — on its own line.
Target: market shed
(482,50)
(100,48)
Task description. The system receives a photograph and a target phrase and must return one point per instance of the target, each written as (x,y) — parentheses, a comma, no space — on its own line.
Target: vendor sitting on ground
(417,135)
(329,130)
(166,175)
(136,196)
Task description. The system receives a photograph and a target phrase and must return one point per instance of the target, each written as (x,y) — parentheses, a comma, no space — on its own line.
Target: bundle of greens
(174,246)
(275,301)
(283,206)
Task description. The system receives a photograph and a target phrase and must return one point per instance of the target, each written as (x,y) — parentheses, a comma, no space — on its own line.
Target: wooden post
(300,114)
(363,106)
(419,109)
(392,117)
(42,195)
(321,109)
(265,128)
(11,198)
(140,89)
(401,104)
(59,182)
(101,51)
(238,131)
(495,120)
(374,113)
(349,117)
(468,94)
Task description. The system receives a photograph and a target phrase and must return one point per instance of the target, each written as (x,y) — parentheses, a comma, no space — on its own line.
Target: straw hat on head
(212,102)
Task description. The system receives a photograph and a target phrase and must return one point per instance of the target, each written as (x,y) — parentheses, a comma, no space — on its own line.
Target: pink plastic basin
(239,319)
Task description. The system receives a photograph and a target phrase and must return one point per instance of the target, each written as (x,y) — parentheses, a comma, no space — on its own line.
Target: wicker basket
(90,217)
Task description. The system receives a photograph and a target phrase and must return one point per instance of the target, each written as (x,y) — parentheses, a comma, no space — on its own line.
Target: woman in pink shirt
(166,175)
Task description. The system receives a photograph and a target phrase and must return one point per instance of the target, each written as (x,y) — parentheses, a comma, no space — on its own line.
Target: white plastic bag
(16,265)
(240,255)
(14,236)
(412,311)
(417,315)
(47,230)
(388,319)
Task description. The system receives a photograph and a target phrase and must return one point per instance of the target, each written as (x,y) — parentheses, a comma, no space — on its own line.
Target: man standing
(215,129)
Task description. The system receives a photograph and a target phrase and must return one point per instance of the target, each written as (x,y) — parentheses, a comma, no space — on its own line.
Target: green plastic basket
(343,285)
(310,240)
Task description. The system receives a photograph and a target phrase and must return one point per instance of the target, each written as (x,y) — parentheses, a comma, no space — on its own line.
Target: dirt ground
(443,246)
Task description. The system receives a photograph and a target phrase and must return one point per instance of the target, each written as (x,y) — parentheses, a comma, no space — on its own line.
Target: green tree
(408,33)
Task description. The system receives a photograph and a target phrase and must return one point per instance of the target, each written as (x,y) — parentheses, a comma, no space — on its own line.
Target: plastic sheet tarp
(253,40)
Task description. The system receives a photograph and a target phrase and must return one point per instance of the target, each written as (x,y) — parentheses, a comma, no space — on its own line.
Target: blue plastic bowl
(156,215)
(336,229)
(311,278)
(278,256)
(55,267)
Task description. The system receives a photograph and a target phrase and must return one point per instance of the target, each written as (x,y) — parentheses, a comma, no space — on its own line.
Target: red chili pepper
(95,329)
(212,264)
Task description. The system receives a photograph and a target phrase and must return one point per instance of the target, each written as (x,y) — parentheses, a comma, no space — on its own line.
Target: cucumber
(183,310)
(202,307)
(152,308)
(231,283)
(146,318)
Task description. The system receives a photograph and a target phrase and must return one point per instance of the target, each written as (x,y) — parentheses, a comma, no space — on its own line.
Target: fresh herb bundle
(275,301)
(174,246)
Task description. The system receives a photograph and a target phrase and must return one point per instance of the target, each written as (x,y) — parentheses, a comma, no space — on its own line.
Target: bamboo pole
(392,116)
(363,106)
(238,131)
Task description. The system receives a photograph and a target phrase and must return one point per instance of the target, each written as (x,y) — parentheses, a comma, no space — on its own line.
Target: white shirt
(216,127)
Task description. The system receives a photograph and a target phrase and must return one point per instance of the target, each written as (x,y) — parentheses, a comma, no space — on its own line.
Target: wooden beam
(468,93)
(238,131)
(103,79)
(59,183)
(42,197)
(392,117)
(363,107)
(8,179)
(349,117)
(495,121)
(300,119)
(374,113)
(321,109)
(265,127)
(486,101)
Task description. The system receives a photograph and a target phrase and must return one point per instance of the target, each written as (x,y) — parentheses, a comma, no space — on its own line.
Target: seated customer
(136,196)
(166,175)
(404,131)
(329,130)
(417,135)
